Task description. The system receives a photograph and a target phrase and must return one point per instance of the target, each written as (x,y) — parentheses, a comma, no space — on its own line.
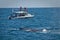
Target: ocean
(44,18)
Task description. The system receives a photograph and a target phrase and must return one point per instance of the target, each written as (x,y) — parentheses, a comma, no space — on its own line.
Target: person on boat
(20,8)
(9,18)
(25,9)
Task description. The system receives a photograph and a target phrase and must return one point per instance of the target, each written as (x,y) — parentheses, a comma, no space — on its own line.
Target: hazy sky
(29,3)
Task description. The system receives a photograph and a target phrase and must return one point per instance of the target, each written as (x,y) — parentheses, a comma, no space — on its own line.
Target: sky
(29,3)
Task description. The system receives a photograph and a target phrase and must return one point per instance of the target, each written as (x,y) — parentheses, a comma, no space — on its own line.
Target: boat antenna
(12,10)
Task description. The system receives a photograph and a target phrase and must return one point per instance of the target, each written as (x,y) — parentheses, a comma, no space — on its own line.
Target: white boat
(21,14)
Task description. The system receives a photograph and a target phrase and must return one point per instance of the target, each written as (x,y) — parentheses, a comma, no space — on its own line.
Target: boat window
(22,14)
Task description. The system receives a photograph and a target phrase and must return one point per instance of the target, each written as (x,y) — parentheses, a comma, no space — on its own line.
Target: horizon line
(31,7)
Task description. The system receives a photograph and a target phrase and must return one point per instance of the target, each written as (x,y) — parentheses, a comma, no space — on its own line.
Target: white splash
(44,30)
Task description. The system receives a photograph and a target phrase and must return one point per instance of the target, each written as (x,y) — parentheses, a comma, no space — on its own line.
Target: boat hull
(27,16)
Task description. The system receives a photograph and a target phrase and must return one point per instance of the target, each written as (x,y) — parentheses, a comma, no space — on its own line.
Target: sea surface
(44,18)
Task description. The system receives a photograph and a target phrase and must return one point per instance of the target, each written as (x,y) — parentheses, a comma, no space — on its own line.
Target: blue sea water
(48,18)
